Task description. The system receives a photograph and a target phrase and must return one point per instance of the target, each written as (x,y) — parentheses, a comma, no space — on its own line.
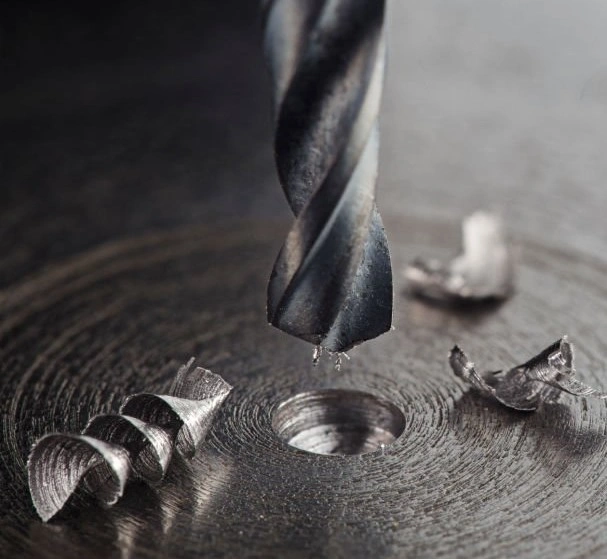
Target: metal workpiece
(140,219)
(541,380)
(331,284)
(137,443)
(484,270)
(392,457)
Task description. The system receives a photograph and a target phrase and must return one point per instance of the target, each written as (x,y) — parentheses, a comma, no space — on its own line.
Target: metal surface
(332,281)
(461,469)
(119,129)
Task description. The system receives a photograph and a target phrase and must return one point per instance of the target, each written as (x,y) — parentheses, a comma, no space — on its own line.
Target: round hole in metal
(338,422)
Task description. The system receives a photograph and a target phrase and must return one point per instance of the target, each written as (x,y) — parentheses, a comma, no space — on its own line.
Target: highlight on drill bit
(331,284)
(137,443)
(542,379)
(484,270)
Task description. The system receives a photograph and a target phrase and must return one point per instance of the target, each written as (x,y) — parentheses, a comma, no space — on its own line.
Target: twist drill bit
(332,281)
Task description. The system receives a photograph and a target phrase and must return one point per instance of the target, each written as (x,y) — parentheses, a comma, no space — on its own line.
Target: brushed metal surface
(112,143)
(466,477)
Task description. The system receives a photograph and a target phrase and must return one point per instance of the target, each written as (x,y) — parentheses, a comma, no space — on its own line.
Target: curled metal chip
(58,464)
(139,441)
(187,420)
(188,412)
(198,384)
(542,379)
(484,269)
(150,447)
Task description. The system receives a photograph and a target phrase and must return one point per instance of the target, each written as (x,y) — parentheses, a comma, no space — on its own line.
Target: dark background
(118,118)
(121,117)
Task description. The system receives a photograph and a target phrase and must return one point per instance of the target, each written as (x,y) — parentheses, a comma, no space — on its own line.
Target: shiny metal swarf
(542,379)
(138,443)
(484,269)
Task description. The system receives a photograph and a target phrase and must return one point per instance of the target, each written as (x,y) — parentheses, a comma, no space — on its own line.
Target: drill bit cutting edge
(332,281)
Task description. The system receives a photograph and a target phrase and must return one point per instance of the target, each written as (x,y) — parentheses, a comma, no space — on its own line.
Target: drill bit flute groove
(332,281)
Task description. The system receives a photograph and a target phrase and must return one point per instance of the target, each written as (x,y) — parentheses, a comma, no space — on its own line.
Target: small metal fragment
(149,447)
(316,355)
(58,464)
(138,442)
(339,356)
(542,379)
(483,271)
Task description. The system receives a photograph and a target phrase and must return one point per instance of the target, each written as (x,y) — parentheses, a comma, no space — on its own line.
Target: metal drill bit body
(332,281)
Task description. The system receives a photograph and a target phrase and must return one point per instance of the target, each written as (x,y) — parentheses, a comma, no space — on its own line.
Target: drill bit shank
(332,281)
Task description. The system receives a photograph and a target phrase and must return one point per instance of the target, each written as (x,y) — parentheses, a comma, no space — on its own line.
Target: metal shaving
(542,379)
(483,271)
(137,443)
(339,356)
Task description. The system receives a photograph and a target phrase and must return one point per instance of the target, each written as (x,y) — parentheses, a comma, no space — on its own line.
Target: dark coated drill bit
(332,281)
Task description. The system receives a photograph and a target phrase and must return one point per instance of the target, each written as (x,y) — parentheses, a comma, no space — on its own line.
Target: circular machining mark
(79,337)
(338,422)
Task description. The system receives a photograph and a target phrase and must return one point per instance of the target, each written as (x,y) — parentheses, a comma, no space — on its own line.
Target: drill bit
(332,281)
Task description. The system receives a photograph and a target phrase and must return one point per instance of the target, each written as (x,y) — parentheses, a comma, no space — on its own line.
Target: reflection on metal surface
(338,422)
(332,281)
(542,379)
(138,442)
(190,491)
(198,291)
(483,271)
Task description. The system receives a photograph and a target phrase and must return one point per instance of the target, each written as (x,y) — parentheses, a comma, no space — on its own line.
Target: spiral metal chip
(59,464)
(138,442)
(150,447)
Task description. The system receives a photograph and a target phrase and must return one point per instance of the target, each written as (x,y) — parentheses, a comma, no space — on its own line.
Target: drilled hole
(339,422)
